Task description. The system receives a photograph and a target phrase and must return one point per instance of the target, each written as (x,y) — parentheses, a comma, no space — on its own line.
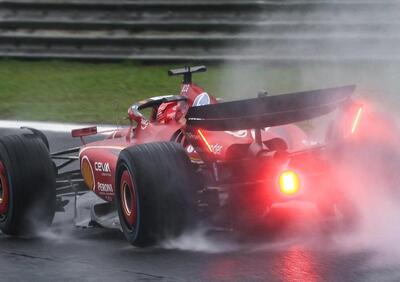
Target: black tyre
(156,192)
(27,184)
(40,135)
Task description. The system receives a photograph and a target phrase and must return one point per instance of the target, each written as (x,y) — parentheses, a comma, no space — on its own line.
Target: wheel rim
(128,199)
(4,191)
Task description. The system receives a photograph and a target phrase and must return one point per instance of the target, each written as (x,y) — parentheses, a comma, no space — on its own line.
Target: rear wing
(269,111)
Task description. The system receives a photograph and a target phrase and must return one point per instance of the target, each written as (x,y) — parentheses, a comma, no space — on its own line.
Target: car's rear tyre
(156,192)
(27,181)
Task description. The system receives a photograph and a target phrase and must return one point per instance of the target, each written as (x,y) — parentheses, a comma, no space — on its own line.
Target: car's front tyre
(27,184)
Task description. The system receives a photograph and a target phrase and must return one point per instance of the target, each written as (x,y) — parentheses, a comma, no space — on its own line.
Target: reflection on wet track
(297,264)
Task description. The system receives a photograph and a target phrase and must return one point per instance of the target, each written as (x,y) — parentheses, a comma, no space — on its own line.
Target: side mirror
(82,132)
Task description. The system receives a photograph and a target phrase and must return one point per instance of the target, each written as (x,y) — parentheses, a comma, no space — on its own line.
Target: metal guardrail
(163,30)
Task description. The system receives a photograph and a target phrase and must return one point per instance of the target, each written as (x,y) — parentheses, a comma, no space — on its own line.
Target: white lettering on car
(216,149)
(102,167)
(185,88)
(104,187)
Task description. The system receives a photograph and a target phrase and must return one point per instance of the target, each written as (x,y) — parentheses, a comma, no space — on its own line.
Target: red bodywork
(101,157)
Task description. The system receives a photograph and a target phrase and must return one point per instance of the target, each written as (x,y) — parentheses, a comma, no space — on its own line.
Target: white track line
(50,126)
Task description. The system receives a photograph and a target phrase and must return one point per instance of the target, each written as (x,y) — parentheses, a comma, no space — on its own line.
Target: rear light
(289,182)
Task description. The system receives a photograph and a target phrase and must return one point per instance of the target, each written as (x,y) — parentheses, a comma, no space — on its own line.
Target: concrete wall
(194,30)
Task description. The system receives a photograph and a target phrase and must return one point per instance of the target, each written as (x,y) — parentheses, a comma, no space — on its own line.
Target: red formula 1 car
(193,159)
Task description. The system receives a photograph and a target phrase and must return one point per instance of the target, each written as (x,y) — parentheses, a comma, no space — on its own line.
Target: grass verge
(102,92)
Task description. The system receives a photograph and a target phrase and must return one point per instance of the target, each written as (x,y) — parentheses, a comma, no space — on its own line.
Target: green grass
(88,92)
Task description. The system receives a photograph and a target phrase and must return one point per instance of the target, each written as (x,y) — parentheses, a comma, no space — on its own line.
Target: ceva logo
(102,167)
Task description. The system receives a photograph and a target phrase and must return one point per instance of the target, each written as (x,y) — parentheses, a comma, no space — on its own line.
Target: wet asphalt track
(66,253)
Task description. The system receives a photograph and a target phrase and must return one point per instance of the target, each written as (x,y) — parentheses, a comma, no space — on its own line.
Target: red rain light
(289,182)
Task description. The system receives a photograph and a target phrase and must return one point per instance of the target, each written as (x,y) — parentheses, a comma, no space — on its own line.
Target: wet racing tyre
(156,192)
(40,135)
(27,184)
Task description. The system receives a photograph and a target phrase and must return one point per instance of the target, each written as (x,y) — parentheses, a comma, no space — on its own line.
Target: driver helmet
(166,112)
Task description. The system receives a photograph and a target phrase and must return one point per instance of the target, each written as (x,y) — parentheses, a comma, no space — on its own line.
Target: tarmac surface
(299,253)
